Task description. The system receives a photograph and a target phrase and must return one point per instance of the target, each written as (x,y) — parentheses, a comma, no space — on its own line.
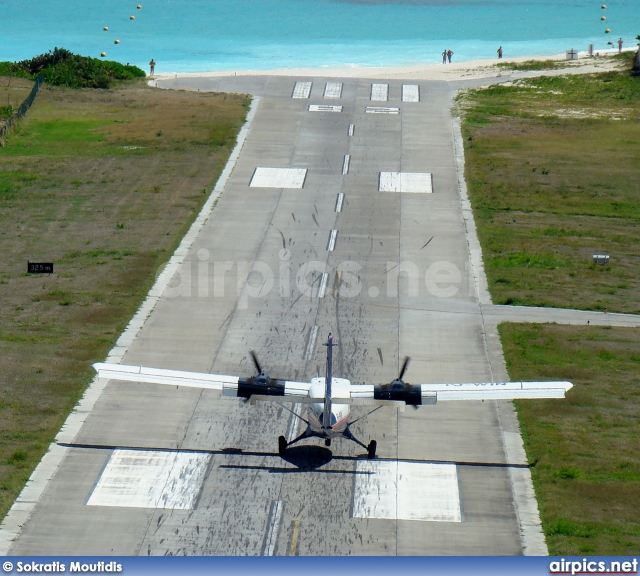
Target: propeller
(254,357)
(398,389)
(405,365)
(261,383)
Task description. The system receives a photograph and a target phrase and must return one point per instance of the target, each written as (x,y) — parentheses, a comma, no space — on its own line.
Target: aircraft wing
(420,394)
(496,390)
(229,385)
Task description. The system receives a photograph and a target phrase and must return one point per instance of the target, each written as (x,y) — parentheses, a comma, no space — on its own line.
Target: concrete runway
(399,281)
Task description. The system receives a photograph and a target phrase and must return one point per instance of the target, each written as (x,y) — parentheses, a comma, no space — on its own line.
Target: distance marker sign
(40,267)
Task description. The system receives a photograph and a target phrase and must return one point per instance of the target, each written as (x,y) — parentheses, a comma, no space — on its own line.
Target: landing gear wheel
(282,445)
(371,449)
(327,441)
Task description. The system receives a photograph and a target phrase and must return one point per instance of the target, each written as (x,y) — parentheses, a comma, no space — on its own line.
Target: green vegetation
(583,450)
(6,112)
(533,65)
(553,165)
(63,68)
(103,184)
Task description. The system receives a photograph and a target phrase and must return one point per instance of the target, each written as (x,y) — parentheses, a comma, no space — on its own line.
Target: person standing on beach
(500,52)
(449,54)
(619,45)
(444,57)
(152,66)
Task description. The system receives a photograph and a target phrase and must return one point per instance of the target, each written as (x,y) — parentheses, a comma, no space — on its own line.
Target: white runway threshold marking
(333,90)
(407,491)
(410,93)
(278,177)
(150,479)
(414,182)
(301,90)
(324,108)
(379,92)
(381,110)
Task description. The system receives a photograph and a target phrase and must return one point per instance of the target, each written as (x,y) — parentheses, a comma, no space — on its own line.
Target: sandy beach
(472,69)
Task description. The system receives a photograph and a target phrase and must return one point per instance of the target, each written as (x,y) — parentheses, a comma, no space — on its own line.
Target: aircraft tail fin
(326,416)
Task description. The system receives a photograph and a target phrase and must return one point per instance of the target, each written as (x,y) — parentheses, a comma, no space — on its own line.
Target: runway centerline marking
(339,201)
(332,240)
(311,343)
(352,129)
(345,164)
(271,537)
(323,284)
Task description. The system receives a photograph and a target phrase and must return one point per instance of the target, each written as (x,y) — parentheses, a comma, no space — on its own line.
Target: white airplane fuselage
(339,412)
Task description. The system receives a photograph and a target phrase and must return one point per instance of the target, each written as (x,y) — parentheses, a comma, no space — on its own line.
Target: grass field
(553,170)
(103,183)
(583,450)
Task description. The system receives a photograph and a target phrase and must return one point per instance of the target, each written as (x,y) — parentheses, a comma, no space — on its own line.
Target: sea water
(209,35)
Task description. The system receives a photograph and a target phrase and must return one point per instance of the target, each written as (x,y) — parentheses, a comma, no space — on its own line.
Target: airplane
(330,398)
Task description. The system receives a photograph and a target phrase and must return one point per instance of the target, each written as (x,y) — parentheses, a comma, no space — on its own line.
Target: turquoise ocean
(210,35)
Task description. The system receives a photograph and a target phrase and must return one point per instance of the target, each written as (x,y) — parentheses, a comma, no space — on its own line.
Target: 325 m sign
(40,267)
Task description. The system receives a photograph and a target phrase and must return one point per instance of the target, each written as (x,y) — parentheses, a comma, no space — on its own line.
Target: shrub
(63,68)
